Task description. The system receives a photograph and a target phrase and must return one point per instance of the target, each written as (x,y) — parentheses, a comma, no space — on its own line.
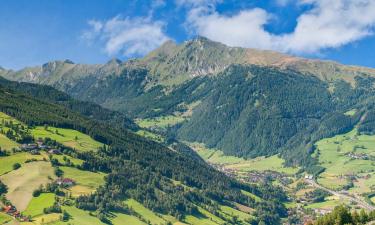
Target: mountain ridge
(173,64)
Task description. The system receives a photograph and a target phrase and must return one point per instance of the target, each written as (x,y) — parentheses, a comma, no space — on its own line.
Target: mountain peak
(114,61)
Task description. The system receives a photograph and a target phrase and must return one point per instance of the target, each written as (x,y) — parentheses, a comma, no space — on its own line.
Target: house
(54,151)
(66,182)
(29,147)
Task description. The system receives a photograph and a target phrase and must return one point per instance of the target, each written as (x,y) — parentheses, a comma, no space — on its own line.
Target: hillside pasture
(241,165)
(162,122)
(37,204)
(68,137)
(22,182)
(6,162)
(145,213)
(335,156)
(87,182)
(4,218)
(7,144)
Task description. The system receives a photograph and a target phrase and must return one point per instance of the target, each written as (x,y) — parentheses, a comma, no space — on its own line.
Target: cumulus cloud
(328,24)
(136,36)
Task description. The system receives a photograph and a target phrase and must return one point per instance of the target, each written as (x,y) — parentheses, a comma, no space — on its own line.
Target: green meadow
(146,214)
(4,218)
(216,156)
(333,155)
(150,135)
(6,162)
(67,137)
(37,204)
(160,122)
(86,181)
(6,143)
(23,181)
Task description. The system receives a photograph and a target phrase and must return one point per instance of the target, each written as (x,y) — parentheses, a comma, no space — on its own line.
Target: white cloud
(329,24)
(129,37)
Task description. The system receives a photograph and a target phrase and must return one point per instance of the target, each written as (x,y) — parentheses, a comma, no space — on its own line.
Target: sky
(33,32)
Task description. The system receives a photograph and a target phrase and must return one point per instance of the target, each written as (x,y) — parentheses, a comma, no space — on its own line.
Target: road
(359,202)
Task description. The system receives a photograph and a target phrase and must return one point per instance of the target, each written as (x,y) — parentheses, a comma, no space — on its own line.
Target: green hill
(168,183)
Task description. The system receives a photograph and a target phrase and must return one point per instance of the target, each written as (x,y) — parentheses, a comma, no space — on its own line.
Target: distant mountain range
(246,102)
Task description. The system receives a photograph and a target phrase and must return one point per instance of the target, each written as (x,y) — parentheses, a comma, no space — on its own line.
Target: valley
(233,140)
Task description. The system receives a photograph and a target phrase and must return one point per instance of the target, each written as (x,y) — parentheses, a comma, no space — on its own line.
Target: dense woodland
(142,169)
(245,111)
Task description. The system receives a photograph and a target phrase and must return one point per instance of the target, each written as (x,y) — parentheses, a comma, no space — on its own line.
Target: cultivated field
(22,182)
(67,137)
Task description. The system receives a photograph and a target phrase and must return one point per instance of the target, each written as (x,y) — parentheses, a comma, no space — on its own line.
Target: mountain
(245,102)
(166,181)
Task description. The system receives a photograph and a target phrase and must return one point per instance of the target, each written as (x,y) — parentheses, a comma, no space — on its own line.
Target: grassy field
(6,163)
(239,164)
(329,203)
(230,212)
(146,214)
(45,219)
(22,182)
(120,219)
(160,122)
(67,137)
(80,217)
(150,135)
(37,204)
(6,143)
(333,155)
(205,218)
(60,158)
(87,181)
(4,218)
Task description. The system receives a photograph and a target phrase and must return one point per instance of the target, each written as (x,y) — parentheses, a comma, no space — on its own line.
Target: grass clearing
(4,218)
(87,181)
(44,219)
(75,161)
(150,135)
(68,137)
(22,182)
(37,204)
(120,219)
(6,162)
(234,212)
(7,144)
(80,217)
(160,122)
(215,156)
(146,214)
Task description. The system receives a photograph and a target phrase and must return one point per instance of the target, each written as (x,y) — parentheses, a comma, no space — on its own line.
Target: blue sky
(33,32)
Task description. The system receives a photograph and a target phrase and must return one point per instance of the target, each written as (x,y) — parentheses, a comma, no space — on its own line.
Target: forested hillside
(163,180)
(245,102)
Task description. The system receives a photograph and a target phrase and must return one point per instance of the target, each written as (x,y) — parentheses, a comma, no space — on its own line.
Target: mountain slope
(246,102)
(163,180)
